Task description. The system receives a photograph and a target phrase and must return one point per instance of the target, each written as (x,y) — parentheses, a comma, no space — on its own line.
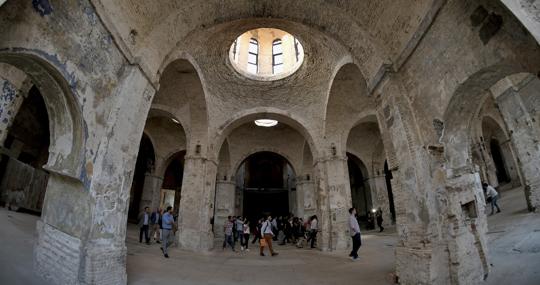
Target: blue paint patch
(43,7)
(8,92)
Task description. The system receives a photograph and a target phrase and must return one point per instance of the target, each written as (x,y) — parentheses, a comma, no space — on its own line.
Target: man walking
(239,223)
(267,235)
(355,234)
(167,223)
(144,221)
(491,197)
(228,230)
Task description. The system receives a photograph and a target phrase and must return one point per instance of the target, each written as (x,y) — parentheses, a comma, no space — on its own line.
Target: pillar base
(57,255)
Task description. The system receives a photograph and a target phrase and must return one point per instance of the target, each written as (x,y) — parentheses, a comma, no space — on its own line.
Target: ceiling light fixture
(175,121)
(266,123)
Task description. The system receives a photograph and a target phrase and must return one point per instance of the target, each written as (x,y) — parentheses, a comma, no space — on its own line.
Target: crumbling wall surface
(97,106)
(469,47)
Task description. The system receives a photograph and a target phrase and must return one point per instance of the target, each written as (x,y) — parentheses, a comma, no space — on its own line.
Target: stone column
(310,198)
(105,251)
(225,198)
(524,135)
(151,191)
(379,196)
(197,204)
(334,203)
(300,197)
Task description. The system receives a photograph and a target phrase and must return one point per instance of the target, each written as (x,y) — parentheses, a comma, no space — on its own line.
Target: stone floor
(514,237)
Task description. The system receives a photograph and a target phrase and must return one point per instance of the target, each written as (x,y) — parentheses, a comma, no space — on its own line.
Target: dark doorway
(360,190)
(172,181)
(24,153)
(145,164)
(265,182)
(500,168)
(388,176)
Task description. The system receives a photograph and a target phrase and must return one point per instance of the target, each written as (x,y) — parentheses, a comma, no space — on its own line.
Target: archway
(264,181)
(25,151)
(360,190)
(496,153)
(145,164)
(171,190)
(502,170)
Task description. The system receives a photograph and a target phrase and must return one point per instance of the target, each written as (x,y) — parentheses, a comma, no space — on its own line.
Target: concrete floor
(514,237)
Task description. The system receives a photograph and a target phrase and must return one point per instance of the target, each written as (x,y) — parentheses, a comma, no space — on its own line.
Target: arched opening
(264,182)
(170,194)
(388,179)
(145,165)
(360,190)
(24,153)
(498,165)
(500,168)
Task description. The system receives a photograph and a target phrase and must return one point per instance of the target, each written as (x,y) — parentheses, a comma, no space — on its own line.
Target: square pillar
(334,203)
(197,204)
(225,205)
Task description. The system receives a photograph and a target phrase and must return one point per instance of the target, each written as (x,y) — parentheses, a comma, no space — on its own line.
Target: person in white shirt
(313,230)
(355,234)
(491,196)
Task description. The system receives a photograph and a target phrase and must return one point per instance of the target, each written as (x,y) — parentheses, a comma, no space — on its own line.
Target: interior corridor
(514,243)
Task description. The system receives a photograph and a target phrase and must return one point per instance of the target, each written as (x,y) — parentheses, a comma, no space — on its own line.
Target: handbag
(263,242)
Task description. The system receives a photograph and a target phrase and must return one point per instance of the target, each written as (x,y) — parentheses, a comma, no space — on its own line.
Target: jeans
(313,238)
(494,204)
(229,239)
(357,242)
(240,235)
(144,229)
(166,234)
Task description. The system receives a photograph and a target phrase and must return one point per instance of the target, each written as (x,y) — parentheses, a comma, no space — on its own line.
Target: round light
(266,123)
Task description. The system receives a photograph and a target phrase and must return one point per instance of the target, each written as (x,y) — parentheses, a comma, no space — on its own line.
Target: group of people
(288,229)
(163,227)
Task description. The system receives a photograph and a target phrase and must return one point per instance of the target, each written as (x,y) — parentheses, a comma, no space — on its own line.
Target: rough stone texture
(525,137)
(385,80)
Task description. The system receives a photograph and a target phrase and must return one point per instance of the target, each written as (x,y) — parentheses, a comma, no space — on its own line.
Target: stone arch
(187,106)
(347,95)
(167,161)
(236,164)
(463,106)
(145,164)
(290,195)
(240,118)
(67,127)
(362,201)
(505,168)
